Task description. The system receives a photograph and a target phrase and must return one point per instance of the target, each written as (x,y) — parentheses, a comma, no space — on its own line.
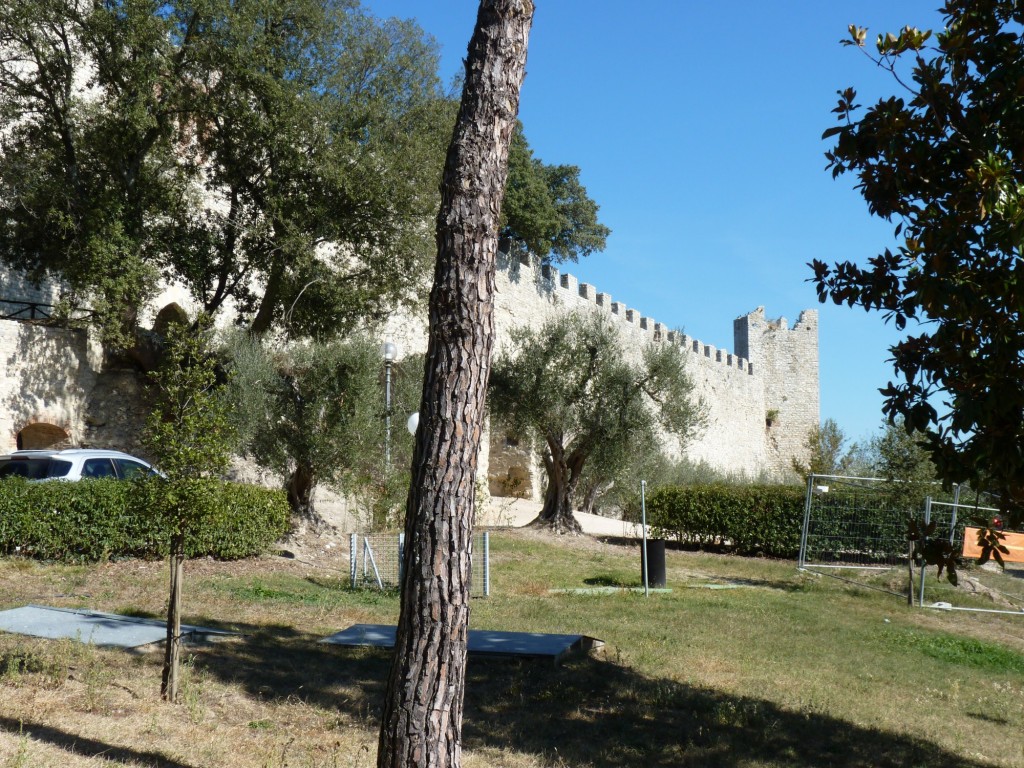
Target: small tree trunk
(910,575)
(422,719)
(595,490)
(271,295)
(172,651)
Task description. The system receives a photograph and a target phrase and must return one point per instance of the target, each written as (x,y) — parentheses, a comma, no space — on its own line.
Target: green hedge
(755,519)
(97,519)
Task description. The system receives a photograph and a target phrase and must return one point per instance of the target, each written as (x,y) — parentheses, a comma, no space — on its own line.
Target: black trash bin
(655,563)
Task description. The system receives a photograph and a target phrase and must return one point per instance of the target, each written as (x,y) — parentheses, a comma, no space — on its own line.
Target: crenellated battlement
(565,288)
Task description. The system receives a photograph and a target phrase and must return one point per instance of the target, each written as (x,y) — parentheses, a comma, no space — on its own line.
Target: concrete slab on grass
(93,627)
(482,642)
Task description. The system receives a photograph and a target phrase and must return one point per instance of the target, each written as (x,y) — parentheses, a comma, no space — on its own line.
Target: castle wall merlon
(808,320)
(549,273)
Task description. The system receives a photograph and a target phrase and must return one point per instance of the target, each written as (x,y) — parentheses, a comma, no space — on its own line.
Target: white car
(73,464)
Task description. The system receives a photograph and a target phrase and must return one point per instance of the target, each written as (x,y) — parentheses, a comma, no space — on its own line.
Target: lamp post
(390,352)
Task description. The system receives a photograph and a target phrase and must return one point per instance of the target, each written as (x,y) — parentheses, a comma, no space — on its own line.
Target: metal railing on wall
(38,312)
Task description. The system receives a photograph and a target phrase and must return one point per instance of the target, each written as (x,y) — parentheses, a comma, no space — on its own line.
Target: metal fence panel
(853,526)
(849,522)
(375,561)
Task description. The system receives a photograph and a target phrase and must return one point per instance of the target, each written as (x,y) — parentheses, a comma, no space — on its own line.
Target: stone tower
(786,359)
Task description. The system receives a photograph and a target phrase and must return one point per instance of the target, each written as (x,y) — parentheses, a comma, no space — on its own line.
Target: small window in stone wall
(511,441)
(41,435)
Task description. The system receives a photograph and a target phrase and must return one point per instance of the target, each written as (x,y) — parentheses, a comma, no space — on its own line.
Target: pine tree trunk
(422,718)
(172,651)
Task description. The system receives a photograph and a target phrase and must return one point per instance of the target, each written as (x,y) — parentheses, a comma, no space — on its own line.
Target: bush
(753,519)
(98,519)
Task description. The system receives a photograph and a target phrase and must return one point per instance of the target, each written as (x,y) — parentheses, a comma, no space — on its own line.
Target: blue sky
(697,129)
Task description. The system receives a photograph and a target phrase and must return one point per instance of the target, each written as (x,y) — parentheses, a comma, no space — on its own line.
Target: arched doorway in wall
(509,464)
(172,313)
(42,435)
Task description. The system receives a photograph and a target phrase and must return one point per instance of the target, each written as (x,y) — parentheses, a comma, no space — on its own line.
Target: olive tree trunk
(422,718)
(563,477)
(300,486)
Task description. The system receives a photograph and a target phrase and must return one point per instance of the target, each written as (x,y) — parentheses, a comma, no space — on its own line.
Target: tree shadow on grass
(784,585)
(1016,570)
(608,580)
(587,711)
(85,747)
(598,713)
(279,662)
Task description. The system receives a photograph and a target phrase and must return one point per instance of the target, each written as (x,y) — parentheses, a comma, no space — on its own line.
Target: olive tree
(572,386)
(312,412)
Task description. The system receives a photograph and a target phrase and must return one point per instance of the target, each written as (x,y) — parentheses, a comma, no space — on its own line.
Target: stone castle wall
(761,399)
(20,290)
(47,376)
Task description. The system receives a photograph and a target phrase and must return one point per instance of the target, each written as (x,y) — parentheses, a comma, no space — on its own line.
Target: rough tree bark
(422,719)
(300,485)
(563,477)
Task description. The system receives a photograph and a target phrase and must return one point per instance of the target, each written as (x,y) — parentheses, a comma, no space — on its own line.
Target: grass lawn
(786,669)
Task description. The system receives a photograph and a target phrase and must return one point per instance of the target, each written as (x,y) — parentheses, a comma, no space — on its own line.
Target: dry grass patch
(787,670)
